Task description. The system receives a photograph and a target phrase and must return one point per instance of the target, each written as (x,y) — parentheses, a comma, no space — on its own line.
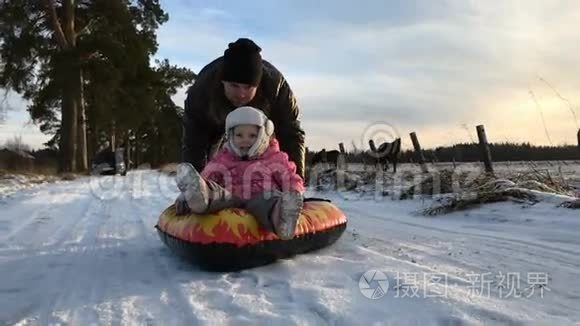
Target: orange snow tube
(231,239)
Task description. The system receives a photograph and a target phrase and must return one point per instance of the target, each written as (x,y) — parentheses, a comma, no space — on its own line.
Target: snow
(11,184)
(85,252)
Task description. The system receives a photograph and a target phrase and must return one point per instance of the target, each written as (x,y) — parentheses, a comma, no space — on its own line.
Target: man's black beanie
(243,62)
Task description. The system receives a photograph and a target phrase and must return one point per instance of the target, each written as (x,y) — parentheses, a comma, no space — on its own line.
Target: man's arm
(195,137)
(286,114)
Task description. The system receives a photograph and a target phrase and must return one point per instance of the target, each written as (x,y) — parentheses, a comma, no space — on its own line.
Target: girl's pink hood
(271,170)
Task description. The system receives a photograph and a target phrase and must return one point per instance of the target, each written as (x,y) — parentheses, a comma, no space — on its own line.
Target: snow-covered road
(86,252)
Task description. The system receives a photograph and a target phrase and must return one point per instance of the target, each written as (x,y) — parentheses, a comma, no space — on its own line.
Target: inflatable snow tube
(232,240)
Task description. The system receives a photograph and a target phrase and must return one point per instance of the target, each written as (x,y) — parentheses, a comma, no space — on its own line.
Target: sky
(382,69)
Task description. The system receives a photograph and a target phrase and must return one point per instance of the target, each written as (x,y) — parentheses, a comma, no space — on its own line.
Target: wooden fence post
(374,153)
(578,136)
(484,148)
(379,178)
(364,159)
(372,146)
(420,156)
(341,160)
(340,168)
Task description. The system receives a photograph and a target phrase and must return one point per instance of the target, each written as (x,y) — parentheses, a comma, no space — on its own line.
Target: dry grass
(331,178)
(40,174)
(543,180)
(573,204)
(438,182)
(461,190)
(520,189)
(463,202)
(168,168)
(68,176)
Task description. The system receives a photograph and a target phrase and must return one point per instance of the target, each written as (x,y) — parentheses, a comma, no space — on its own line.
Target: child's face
(245,136)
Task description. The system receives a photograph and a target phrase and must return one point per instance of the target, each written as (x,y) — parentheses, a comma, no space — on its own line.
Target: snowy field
(85,252)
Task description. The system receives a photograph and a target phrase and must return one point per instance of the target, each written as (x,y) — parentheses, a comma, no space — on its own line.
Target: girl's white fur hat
(247,115)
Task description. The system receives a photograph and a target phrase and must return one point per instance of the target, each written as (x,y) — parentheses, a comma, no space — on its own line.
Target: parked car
(108,162)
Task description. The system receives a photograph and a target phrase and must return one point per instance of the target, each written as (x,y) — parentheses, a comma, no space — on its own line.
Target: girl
(250,172)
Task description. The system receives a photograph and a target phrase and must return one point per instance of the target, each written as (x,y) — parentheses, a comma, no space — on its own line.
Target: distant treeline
(499,152)
(470,152)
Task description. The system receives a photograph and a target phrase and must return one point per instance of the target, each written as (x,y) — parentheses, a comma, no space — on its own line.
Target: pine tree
(49,48)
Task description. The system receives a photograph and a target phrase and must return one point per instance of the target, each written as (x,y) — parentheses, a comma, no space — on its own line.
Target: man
(239,78)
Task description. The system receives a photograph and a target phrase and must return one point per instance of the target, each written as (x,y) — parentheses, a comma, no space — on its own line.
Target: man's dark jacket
(206,108)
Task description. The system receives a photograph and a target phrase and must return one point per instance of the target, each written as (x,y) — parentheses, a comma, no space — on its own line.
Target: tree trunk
(69,81)
(137,152)
(82,158)
(156,149)
(113,136)
(68,131)
(92,134)
(127,149)
(68,71)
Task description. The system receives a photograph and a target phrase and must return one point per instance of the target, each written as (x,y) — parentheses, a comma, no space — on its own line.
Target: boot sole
(185,173)
(287,227)
(188,182)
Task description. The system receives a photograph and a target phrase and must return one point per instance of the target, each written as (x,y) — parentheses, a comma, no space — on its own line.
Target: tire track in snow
(31,215)
(113,296)
(67,194)
(46,272)
(562,256)
(456,288)
(171,303)
(516,254)
(79,253)
(81,260)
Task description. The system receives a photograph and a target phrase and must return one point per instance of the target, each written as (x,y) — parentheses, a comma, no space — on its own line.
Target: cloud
(18,124)
(439,73)
(424,66)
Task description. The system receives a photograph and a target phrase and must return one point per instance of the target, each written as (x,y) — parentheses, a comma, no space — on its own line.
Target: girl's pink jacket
(271,170)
